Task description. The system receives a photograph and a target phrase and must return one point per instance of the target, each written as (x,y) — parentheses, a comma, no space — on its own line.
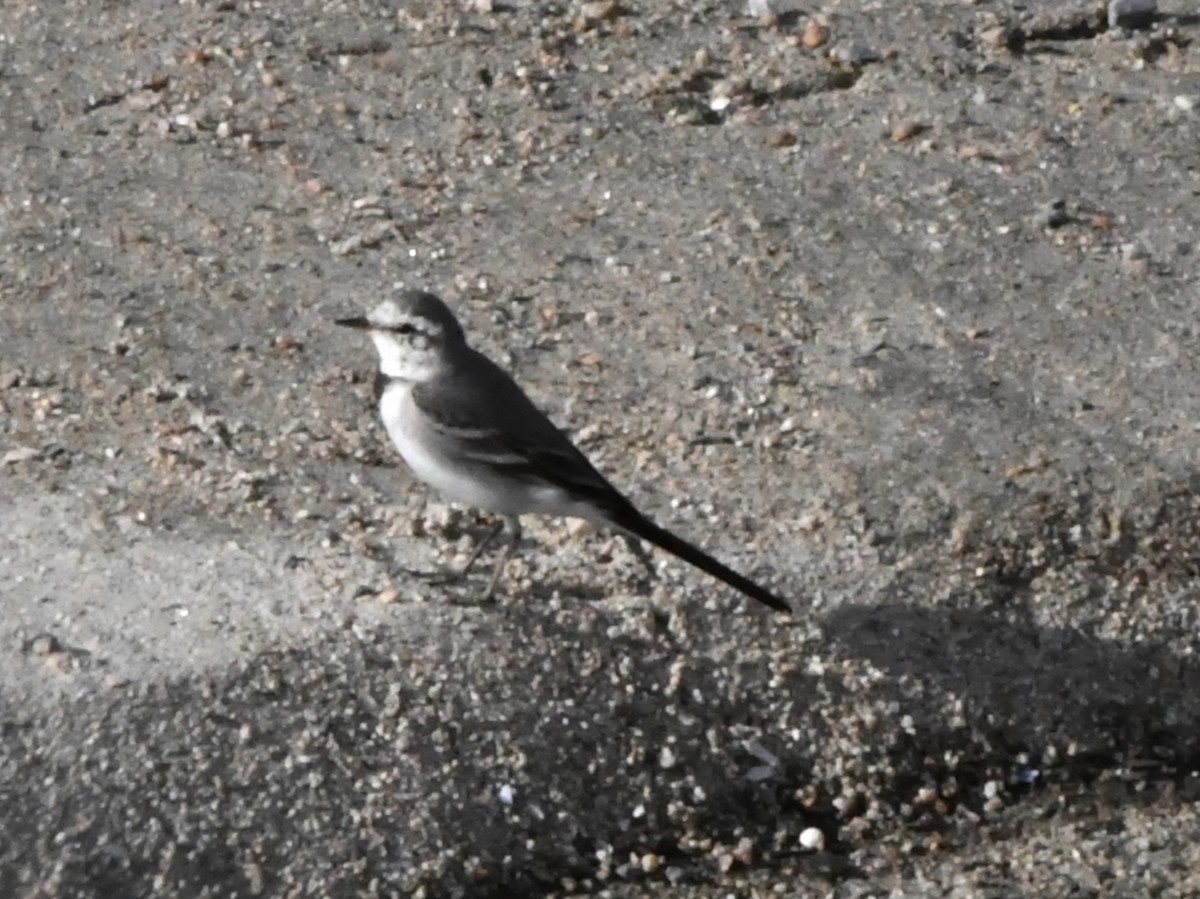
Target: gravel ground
(894,307)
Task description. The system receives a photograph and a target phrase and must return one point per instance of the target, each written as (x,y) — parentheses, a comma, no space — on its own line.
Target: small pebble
(743,853)
(855,55)
(998,38)
(812,839)
(1132,13)
(600,11)
(20,454)
(906,131)
(815,35)
(1052,215)
(387,596)
(44,645)
(1135,259)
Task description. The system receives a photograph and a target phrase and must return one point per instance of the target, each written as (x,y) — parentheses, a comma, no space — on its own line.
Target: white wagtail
(466,428)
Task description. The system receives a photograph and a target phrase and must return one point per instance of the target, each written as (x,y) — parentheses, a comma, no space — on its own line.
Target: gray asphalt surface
(899,317)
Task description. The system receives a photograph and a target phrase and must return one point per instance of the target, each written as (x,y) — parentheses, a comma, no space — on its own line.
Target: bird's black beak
(358,322)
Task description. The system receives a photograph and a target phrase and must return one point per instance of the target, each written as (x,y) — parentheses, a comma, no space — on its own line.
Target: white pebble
(812,838)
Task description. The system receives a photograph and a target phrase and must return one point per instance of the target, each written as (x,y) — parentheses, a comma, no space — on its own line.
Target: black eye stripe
(410,328)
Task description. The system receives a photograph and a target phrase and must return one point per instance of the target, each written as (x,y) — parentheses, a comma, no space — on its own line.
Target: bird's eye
(405,329)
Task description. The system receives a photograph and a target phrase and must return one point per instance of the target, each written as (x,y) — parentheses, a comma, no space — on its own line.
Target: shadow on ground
(566,749)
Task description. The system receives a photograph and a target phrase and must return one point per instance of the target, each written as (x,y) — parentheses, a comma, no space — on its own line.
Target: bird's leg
(440,578)
(478,550)
(643,555)
(514,538)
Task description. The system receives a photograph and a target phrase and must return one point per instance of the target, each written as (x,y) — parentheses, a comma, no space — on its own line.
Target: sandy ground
(899,317)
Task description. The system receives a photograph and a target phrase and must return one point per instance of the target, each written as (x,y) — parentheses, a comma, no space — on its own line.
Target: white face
(411,347)
(416,334)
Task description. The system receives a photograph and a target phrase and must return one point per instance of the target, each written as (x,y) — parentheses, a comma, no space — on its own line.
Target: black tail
(639,526)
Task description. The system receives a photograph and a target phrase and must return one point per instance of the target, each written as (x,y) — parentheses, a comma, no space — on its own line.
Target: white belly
(454,476)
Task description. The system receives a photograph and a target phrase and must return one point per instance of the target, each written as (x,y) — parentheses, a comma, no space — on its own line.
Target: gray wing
(501,428)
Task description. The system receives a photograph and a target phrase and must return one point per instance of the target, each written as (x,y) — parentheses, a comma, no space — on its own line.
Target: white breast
(433,460)
(402,420)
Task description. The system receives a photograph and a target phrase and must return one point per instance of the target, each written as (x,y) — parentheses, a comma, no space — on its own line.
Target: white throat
(400,360)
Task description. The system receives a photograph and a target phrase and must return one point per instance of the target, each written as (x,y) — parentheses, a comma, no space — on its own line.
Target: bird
(467,429)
